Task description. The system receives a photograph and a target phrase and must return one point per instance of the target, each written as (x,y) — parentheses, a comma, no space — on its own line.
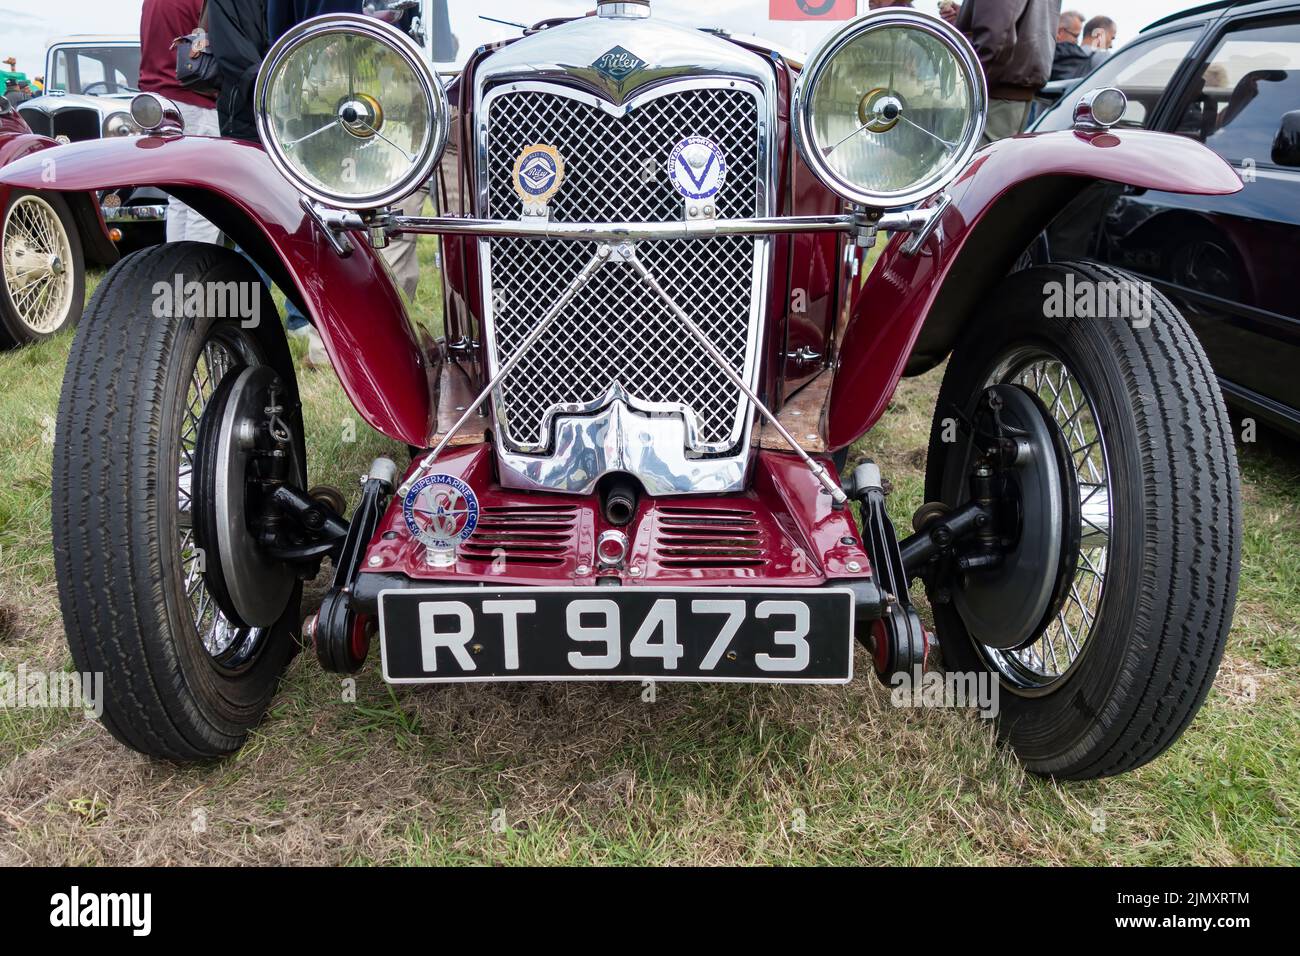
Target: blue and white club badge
(440,511)
(697,168)
(538,174)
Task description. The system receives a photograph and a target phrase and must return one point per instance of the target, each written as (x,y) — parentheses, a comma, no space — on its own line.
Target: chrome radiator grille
(616,337)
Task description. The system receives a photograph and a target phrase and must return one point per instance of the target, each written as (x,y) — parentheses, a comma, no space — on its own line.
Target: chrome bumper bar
(862,224)
(134,213)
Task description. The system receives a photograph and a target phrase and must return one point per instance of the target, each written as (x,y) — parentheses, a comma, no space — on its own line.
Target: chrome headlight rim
(824,55)
(130,127)
(404,46)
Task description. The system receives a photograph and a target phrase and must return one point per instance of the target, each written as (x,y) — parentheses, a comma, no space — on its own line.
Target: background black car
(1227,74)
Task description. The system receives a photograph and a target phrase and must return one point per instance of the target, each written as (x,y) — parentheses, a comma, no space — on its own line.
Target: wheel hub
(239,453)
(1007,603)
(35,256)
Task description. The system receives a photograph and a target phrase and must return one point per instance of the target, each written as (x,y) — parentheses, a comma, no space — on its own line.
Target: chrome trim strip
(620,439)
(623,231)
(134,213)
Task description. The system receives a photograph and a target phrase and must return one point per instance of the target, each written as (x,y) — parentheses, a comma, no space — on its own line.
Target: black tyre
(1136,634)
(44,285)
(181,679)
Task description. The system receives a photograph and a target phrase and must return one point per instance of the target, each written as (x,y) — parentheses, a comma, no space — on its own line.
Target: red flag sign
(812,9)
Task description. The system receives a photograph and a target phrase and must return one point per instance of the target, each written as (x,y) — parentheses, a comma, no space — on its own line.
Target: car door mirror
(1286,146)
(5,106)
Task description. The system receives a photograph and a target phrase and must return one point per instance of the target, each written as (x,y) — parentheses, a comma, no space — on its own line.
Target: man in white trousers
(161,23)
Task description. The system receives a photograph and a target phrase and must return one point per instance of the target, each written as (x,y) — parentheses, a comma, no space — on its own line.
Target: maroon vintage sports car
(657,350)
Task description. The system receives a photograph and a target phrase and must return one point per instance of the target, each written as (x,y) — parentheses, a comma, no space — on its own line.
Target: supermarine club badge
(538,174)
(440,511)
(697,168)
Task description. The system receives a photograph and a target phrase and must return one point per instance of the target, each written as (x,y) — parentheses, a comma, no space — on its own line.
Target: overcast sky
(26,26)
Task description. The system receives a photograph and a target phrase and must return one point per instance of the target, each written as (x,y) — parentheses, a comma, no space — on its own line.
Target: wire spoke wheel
(39,264)
(144,415)
(228,643)
(1062,642)
(1145,579)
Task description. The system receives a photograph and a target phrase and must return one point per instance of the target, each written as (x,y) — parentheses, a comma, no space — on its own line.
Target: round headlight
(120,124)
(349,112)
(890,108)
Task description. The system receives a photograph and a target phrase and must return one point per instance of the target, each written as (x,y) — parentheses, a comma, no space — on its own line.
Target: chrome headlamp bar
(859,223)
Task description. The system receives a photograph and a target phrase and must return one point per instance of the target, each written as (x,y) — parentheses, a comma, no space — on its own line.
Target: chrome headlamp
(120,124)
(349,112)
(890,108)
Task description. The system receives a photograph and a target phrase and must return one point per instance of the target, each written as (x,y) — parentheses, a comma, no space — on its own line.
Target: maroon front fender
(911,309)
(377,352)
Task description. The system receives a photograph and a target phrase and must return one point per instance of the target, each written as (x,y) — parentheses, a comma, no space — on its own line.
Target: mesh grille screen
(615,333)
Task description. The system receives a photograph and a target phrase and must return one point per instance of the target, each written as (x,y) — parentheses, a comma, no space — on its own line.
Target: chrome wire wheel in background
(1064,639)
(40,254)
(229,643)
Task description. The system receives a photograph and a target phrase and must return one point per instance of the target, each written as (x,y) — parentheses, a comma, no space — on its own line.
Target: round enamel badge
(697,168)
(440,511)
(538,174)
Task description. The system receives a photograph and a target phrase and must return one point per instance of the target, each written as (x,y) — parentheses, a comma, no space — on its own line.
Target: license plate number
(697,634)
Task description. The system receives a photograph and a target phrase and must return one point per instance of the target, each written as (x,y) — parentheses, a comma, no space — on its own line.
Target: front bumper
(119,215)
(784,531)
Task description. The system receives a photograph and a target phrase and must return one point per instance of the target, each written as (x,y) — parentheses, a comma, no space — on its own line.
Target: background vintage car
(45,240)
(1226,75)
(89,82)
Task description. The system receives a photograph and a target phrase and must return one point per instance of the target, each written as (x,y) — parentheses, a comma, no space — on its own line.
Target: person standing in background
(161,22)
(1070,59)
(1014,41)
(239,42)
(238,31)
(282,14)
(1098,36)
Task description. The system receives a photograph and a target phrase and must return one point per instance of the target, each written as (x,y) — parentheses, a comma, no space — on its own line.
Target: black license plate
(754,635)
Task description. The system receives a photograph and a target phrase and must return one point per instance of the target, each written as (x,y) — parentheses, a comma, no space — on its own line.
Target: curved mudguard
(379,355)
(911,309)
(95,243)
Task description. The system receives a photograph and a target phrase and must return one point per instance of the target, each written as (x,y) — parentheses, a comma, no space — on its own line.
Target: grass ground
(547,773)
